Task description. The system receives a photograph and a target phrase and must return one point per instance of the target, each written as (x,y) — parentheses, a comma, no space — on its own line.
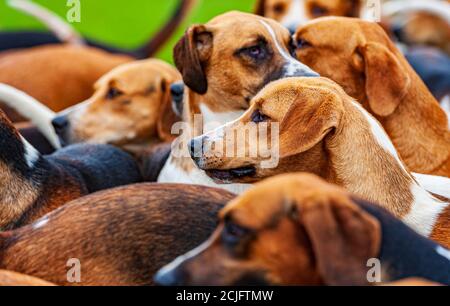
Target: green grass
(124,23)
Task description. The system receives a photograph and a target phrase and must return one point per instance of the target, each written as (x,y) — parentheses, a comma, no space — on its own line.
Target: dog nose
(177,93)
(60,124)
(397,30)
(196,148)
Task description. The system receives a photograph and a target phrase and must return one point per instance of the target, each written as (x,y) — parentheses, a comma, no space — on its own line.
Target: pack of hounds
(92,170)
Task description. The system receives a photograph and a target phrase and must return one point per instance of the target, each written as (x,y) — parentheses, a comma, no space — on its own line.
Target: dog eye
(256,52)
(258,117)
(317,10)
(278,8)
(302,43)
(233,233)
(113,93)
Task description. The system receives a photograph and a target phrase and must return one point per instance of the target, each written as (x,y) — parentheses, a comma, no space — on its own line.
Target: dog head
(289,230)
(293,13)
(131,105)
(423,28)
(417,22)
(289,119)
(360,57)
(229,59)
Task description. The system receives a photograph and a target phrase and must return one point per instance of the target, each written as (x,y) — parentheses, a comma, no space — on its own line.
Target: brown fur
(412,282)
(9,278)
(50,75)
(219,74)
(307,232)
(138,114)
(322,131)
(121,236)
(360,57)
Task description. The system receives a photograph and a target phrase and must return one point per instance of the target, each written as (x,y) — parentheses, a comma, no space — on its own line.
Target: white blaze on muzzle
(292,67)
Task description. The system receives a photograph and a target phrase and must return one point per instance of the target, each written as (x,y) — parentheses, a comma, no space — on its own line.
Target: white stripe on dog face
(296,15)
(293,67)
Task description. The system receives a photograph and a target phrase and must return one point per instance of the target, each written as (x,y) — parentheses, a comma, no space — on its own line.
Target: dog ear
(191,54)
(308,125)
(343,237)
(260,7)
(167,118)
(386,80)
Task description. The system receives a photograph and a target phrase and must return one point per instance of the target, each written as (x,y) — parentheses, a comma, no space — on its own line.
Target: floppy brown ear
(309,123)
(343,238)
(190,55)
(387,82)
(167,118)
(260,7)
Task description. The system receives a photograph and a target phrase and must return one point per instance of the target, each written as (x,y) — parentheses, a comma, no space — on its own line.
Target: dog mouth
(231,174)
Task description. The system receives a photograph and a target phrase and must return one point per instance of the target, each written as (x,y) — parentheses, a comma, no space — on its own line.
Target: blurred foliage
(124,23)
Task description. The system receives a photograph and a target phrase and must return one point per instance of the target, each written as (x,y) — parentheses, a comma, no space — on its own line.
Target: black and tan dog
(322,130)
(299,230)
(32,185)
(120,236)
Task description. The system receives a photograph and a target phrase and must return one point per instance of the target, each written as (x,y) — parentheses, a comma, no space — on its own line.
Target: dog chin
(229,176)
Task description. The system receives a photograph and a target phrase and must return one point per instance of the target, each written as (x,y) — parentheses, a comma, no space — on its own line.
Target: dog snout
(177,93)
(60,124)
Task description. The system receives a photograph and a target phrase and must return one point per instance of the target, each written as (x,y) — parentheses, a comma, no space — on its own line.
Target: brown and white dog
(120,236)
(367,64)
(293,13)
(299,230)
(224,64)
(324,131)
(32,185)
(131,106)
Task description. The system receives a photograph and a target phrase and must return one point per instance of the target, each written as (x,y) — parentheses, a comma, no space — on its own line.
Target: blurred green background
(124,23)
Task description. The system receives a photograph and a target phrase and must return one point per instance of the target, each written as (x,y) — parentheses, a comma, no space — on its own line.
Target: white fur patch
(424,212)
(296,15)
(436,184)
(443,252)
(380,134)
(31,154)
(212,120)
(292,66)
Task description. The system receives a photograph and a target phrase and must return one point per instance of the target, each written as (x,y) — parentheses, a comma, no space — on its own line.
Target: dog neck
(364,161)
(424,128)
(21,169)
